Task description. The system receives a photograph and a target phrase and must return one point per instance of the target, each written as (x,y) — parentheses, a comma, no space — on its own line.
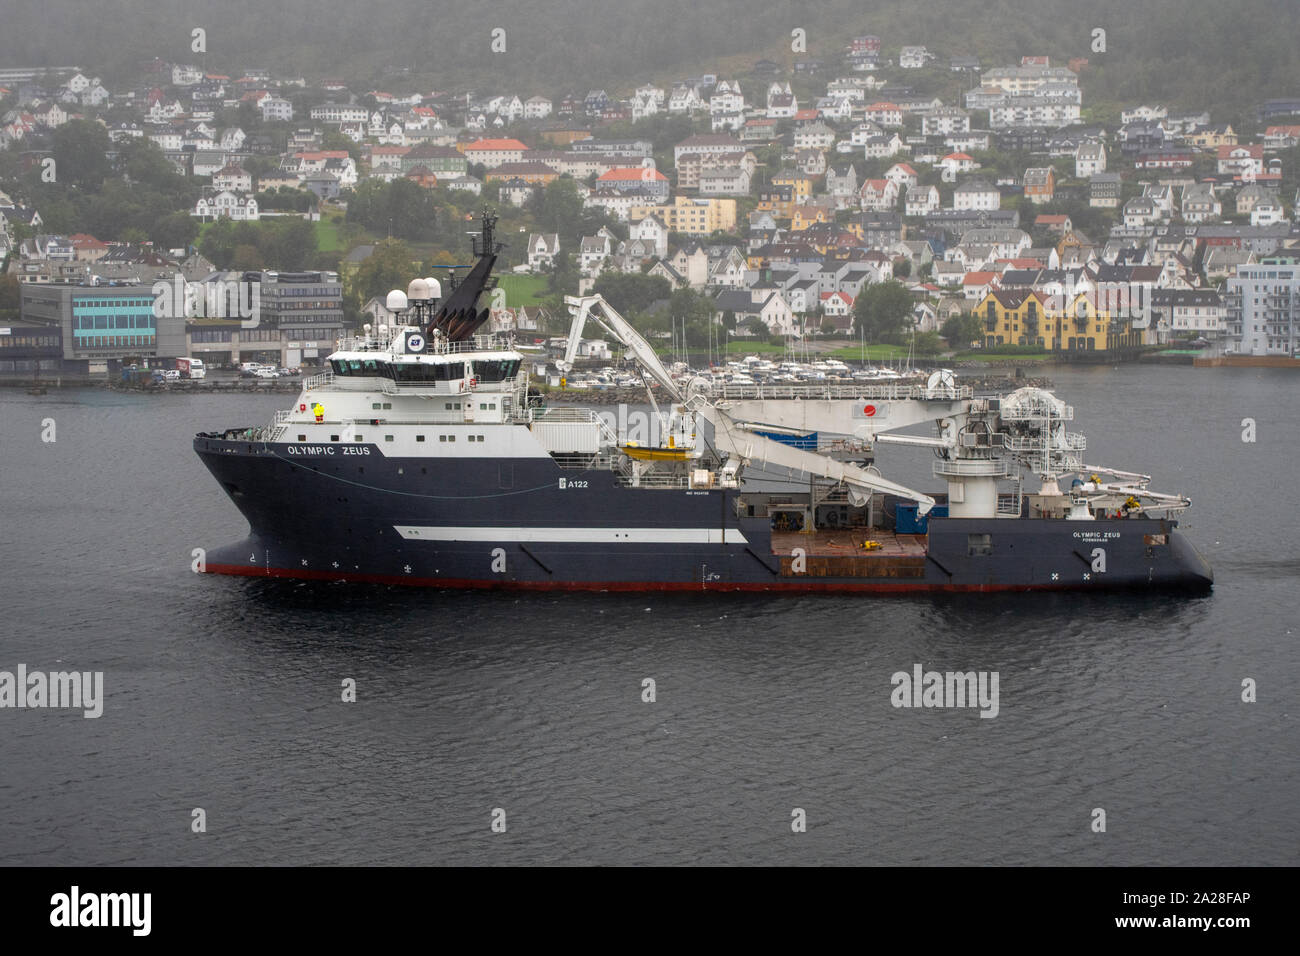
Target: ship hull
(351,513)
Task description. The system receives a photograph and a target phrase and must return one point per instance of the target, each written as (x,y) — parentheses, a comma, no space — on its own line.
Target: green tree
(175,230)
(961,330)
(928,343)
(391,266)
(288,243)
(80,149)
(10,296)
(247,258)
(882,310)
(560,209)
(631,292)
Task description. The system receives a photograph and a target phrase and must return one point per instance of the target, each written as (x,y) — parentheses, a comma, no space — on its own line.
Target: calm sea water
(224,693)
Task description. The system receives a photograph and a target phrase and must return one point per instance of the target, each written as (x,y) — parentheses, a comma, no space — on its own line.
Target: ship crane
(735,436)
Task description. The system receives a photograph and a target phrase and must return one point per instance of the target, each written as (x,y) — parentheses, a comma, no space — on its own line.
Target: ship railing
(436,346)
(652,480)
(568,413)
(1011,504)
(1068,441)
(319,380)
(586,462)
(971,468)
(840,390)
(479,343)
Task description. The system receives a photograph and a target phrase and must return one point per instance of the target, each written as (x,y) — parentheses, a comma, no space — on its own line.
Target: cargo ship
(423,457)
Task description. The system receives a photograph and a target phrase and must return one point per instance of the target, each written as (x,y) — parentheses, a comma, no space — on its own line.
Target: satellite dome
(396,301)
(435,288)
(418,290)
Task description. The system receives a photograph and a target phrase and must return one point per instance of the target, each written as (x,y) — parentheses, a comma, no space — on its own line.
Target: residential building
(493,152)
(692,217)
(1089,160)
(542,250)
(1263,307)
(1040,184)
(976,195)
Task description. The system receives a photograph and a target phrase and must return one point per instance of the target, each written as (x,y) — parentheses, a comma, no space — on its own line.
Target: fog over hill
(1203,53)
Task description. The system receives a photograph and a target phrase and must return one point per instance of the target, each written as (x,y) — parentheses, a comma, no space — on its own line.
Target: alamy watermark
(76,909)
(73,690)
(218,299)
(634,425)
(949,689)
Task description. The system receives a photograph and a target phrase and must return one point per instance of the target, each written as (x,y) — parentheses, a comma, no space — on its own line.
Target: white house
(945,121)
(1089,160)
(1266,213)
(226,205)
(542,250)
(976,195)
(902,174)
(921,200)
(955,163)
(232,178)
(883,147)
(537,107)
(275,109)
(814,136)
(593,251)
(652,230)
(913,57)
(685,99)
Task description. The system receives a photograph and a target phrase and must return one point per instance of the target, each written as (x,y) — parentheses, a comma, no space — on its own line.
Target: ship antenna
(485,243)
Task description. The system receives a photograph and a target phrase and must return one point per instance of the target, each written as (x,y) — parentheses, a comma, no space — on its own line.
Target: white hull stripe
(574,535)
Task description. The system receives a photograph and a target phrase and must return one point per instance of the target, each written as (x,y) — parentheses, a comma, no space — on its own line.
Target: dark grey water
(224,693)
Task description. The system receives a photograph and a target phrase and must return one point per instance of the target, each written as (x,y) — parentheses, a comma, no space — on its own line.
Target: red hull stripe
(803,586)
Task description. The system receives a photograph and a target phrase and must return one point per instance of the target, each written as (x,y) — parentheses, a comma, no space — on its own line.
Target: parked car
(172,374)
(266,373)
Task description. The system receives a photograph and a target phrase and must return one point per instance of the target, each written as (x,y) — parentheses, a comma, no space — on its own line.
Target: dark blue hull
(353,514)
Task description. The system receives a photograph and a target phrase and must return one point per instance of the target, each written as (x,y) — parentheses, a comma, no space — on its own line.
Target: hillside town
(1017,221)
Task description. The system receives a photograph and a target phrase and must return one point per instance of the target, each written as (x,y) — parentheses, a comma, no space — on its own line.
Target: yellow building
(804,216)
(691,217)
(778,200)
(1081,322)
(801,184)
(538,174)
(1213,137)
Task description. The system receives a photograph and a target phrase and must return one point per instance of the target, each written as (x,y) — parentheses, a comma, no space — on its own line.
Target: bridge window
(416,372)
(496,370)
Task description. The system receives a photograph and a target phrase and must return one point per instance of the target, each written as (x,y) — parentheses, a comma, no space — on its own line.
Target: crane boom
(618,328)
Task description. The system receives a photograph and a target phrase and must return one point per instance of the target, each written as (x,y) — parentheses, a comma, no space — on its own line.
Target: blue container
(908,521)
